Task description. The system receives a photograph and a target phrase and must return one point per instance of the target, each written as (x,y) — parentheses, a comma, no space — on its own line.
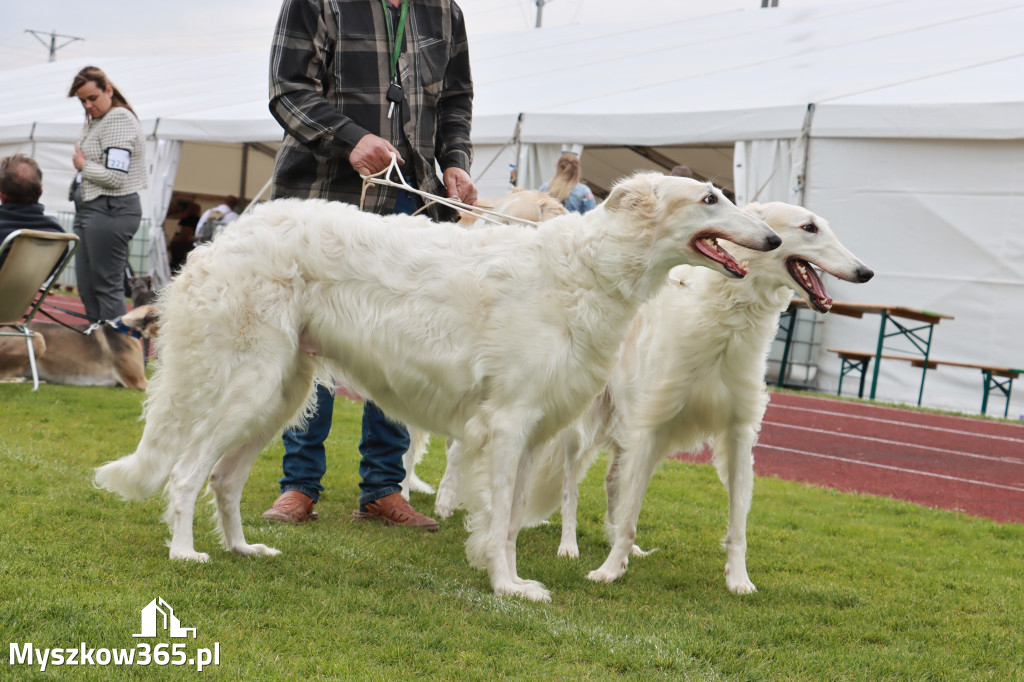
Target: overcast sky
(137,27)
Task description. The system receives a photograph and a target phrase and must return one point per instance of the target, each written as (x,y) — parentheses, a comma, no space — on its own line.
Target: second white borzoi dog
(498,337)
(691,371)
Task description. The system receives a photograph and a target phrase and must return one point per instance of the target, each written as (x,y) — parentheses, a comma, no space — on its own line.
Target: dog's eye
(710,199)
(810,227)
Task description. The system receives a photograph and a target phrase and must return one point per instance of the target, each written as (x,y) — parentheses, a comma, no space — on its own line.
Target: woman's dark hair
(96,75)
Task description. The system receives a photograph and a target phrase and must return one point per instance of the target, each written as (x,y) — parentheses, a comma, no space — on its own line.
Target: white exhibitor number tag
(119,159)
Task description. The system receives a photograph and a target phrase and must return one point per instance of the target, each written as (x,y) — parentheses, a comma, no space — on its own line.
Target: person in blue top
(566,186)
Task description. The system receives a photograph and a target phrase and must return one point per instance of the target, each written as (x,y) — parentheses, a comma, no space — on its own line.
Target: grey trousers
(104,225)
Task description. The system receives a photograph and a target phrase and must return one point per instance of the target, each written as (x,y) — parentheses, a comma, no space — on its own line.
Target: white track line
(898,423)
(885,441)
(892,468)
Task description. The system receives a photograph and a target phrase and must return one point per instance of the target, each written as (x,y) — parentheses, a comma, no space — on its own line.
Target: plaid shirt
(115,155)
(329,75)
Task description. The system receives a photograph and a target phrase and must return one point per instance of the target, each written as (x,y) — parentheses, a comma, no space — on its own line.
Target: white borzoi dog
(498,337)
(691,371)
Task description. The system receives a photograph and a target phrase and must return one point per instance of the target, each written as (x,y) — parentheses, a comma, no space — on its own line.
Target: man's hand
(460,186)
(372,154)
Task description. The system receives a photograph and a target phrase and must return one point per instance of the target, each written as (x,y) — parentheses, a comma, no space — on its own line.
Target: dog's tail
(136,476)
(474,494)
(547,479)
(144,472)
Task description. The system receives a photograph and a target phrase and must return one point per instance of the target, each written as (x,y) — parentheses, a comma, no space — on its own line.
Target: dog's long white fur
(691,371)
(498,337)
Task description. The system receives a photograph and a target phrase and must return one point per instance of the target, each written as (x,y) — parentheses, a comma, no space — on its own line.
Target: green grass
(850,587)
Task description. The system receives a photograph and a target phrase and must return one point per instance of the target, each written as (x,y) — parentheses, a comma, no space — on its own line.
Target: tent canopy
(904,68)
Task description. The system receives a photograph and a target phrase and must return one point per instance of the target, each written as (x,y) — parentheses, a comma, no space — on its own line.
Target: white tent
(902,122)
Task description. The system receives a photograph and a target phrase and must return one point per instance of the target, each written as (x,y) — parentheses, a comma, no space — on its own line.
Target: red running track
(71,303)
(968,465)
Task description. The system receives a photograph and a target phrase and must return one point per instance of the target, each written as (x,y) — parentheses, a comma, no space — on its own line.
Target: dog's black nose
(864,274)
(774,242)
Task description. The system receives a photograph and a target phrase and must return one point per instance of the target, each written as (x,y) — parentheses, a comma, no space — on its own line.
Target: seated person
(21,185)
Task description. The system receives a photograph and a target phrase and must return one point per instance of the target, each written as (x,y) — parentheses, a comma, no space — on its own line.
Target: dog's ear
(151,323)
(145,319)
(755,209)
(638,195)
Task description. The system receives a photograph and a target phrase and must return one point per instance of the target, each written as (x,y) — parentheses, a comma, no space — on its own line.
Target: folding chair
(34,260)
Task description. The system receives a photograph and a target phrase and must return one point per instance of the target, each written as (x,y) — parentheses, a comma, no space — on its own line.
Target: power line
(540,10)
(52,44)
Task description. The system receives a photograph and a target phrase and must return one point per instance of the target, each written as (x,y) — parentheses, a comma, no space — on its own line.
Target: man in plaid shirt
(352,82)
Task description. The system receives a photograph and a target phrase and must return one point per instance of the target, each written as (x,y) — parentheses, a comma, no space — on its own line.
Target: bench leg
(848,366)
(1005,387)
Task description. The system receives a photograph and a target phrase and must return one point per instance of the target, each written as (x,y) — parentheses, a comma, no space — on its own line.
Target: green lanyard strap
(395,41)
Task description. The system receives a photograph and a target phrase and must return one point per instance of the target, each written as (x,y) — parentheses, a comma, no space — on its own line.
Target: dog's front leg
(418,443)
(447,489)
(735,461)
(635,467)
(516,518)
(570,447)
(505,456)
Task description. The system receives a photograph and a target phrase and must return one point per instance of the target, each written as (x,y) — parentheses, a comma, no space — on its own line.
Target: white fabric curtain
(764,170)
(163,158)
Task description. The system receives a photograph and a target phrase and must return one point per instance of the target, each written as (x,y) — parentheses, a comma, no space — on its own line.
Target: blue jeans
(382,446)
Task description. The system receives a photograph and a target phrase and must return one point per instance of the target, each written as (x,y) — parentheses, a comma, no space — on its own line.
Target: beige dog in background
(106,357)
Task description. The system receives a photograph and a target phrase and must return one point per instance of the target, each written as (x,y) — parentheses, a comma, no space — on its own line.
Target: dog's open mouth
(804,274)
(709,247)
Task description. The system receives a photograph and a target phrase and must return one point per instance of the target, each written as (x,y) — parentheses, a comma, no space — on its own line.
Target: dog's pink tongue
(713,250)
(818,287)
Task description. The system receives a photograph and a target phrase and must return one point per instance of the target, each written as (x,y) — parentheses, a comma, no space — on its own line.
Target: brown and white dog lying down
(524,204)
(106,357)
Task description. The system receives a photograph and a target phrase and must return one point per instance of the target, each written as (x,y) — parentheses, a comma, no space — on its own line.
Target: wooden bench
(858,361)
(994,377)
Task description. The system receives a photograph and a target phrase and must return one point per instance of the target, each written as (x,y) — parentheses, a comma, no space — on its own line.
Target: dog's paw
(609,572)
(444,505)
(255,550)
(190,555)
(742,588)
(570,551)
(528,589)
(740,584)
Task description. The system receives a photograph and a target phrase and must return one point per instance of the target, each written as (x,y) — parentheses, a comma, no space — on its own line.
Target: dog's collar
(125,329)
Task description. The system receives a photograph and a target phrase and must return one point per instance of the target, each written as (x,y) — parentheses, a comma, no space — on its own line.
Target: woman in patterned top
(110,158)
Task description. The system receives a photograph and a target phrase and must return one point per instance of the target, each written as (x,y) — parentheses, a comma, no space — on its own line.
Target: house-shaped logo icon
(158,614)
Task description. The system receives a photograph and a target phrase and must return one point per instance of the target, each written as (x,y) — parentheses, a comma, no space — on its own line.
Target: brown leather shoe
(292,507)
(394,510)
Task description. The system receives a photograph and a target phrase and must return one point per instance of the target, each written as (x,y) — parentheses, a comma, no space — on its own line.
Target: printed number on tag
(119,159)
